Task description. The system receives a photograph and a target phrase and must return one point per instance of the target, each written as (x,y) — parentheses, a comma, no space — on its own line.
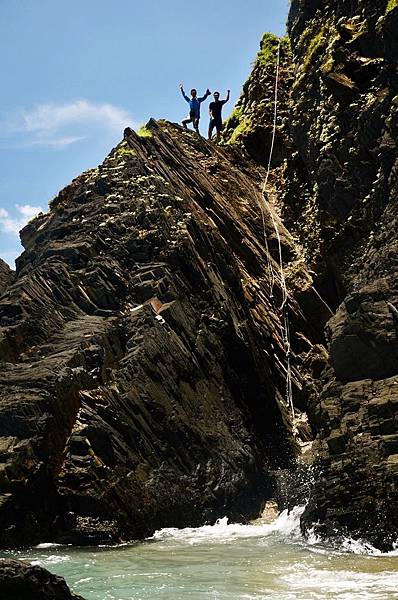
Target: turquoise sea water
(225,562)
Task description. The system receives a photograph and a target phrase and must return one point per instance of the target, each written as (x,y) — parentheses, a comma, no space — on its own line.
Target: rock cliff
(143,362)
(344,121)
(335,186)
(143,343)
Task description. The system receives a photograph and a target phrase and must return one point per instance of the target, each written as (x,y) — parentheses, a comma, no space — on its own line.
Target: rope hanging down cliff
(284,306)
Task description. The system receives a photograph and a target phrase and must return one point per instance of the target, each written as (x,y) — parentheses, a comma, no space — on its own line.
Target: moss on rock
(269,48)
(144,132)
(124,150)
(251,122)
(391,5)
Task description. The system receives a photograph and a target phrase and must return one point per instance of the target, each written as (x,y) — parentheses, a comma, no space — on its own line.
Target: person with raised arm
(215,111)
(194,107)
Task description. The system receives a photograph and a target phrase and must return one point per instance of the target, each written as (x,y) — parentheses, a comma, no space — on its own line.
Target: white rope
(284,306)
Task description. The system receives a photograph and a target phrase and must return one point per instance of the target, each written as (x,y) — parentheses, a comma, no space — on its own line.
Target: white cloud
(28,211)
(54,143)
(51,117)
(13,225)
(59,125)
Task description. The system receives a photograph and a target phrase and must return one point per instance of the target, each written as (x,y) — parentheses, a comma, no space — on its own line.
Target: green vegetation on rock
(314,45)
(311,46)
(391,5)
(124,150)
(254,98)
(269,48)
(243,127)
(144,132)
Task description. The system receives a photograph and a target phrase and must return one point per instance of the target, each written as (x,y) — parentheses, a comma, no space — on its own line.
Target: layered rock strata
(143,365)
(142,345)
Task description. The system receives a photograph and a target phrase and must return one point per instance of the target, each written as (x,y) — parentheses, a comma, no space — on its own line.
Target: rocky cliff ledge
(344,121)
(143,364)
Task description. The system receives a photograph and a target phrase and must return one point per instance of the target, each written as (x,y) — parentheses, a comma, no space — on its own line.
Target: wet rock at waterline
(268,515)
(22,581)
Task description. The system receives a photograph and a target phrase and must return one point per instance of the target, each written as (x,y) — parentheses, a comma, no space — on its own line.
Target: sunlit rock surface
(143,365)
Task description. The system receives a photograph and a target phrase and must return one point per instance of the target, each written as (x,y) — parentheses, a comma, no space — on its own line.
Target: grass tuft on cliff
(144,132)
(269,48)
(391,5)
(124,150)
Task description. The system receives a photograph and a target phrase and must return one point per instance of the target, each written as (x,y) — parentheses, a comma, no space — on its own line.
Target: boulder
(23,581)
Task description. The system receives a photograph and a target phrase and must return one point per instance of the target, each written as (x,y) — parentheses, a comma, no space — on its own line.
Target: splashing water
(287,524)
(226,562)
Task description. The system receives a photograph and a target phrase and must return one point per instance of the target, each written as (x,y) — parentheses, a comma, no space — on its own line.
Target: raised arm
(184,94)
(227,98)
(207,94)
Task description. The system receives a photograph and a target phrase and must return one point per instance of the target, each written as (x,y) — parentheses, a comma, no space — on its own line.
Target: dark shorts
(216,123)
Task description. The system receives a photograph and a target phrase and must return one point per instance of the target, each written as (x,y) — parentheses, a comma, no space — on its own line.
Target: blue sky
(76,72)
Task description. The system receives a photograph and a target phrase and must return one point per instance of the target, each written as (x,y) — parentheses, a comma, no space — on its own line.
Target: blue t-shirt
(194,103)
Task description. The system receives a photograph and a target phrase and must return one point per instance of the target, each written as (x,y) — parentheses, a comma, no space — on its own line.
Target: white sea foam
(342,582)
(285,528)
(53,559)
(227,561)
(349,545)
(84,580)
(287,524)
(361,547)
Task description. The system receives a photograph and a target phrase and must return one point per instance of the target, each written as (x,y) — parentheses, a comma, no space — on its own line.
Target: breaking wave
(287,525)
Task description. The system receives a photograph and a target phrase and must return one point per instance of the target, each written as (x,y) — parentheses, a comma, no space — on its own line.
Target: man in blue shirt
(194,107)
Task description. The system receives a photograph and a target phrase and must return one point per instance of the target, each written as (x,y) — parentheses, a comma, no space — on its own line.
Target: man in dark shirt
(215,110)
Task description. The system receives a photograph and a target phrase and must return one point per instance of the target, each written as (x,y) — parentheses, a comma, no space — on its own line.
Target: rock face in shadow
(344,122)
(336,191)
(22,581)
(143,367)
(6,276)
